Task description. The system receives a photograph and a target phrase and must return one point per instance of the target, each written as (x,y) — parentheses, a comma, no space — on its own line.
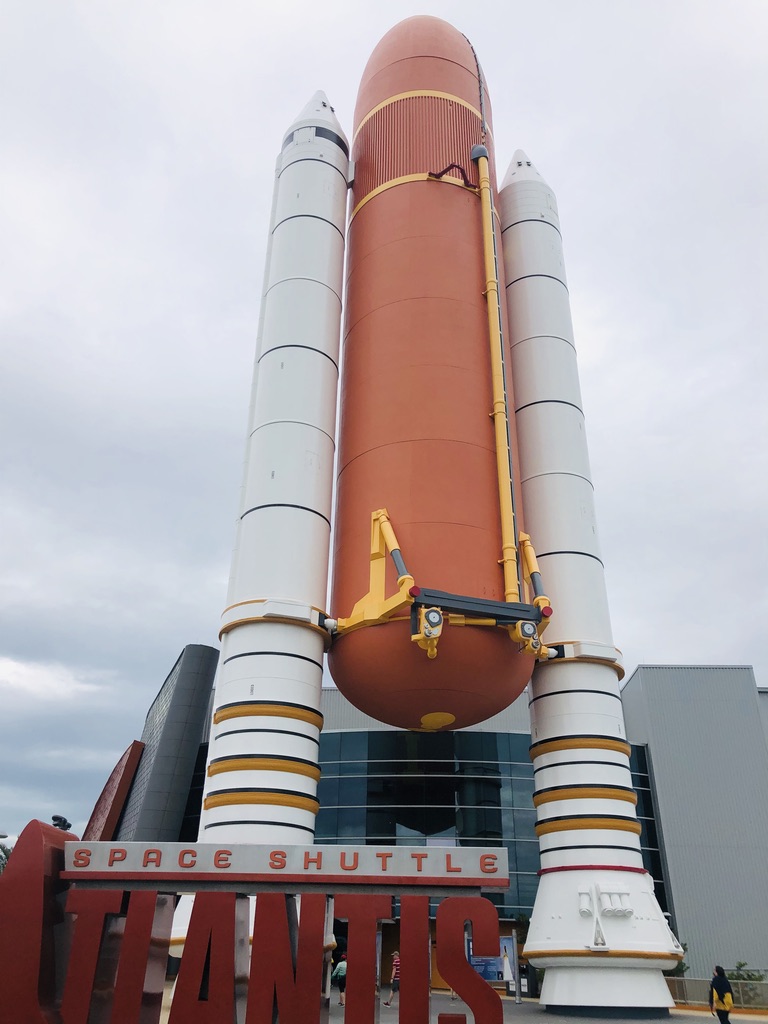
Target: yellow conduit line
(499,413)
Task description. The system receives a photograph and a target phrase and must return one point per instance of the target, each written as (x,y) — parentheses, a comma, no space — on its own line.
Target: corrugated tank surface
(377,160)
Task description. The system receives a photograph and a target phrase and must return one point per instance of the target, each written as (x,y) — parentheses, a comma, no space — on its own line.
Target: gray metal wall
(762,700)
(709,763)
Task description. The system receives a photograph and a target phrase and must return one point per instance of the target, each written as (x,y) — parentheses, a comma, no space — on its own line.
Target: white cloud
(74,759)
(22,682)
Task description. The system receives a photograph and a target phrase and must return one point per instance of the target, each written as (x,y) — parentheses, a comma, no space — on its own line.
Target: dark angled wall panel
(175,724)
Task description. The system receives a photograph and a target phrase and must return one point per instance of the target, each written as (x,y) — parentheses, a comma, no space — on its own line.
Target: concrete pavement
(527,1012)
(530,1012)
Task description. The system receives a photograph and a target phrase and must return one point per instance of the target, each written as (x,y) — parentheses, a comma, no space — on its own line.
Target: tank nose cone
(420,53)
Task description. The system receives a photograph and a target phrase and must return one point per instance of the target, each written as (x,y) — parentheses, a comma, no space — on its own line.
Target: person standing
(395,979)
(720,995)
(340,977)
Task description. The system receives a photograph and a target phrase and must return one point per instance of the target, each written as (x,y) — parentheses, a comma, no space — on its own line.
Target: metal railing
(695,991)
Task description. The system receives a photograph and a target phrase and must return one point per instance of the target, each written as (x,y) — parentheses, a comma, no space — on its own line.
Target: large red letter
(143,957)
(363,914)
(92,907)
(415,957)
(452,915)
(273,982)
(209,957)
(28,911)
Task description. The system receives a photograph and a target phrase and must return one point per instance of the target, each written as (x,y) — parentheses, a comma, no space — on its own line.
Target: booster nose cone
(525,195)
(318,113)
(520,169)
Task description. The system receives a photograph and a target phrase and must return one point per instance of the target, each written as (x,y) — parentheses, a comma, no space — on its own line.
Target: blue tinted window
(638,760)
(522,793)
(527,856)
(351,768)
(326,823)
(389,746)
(477,746)
(328,792)
(652,863)
(648,835)
(644,803)
(352,791)
(517,792)
(524,825)
(351,822)
(479,792)
(354,746)
(380,822)
(508,823)
(526,887)
(518,749)
(479,823)
(329,746)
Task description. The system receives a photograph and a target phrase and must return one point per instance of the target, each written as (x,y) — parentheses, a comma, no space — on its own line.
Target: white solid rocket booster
(595,914)
(262,773)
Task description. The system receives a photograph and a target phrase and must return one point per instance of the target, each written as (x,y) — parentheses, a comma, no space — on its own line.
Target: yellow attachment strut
(533,577)
(528,555)
(500,415)
(376,607)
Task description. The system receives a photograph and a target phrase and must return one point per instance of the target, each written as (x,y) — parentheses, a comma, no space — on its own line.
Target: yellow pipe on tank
(499,413)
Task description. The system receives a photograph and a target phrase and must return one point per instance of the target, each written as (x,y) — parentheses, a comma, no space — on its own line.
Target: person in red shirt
(395,979)
(340,977)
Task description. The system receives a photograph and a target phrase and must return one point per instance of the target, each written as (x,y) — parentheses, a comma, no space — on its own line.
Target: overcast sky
(137,147)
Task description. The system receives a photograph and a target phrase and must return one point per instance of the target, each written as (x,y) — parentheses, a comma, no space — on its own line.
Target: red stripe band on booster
(591,867)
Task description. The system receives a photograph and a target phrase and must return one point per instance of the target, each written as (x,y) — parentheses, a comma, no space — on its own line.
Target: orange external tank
(416,433)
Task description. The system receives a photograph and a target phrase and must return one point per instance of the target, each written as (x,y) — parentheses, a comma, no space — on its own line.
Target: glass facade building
(379,785)
(650,841)
(441,789)
(473,787)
